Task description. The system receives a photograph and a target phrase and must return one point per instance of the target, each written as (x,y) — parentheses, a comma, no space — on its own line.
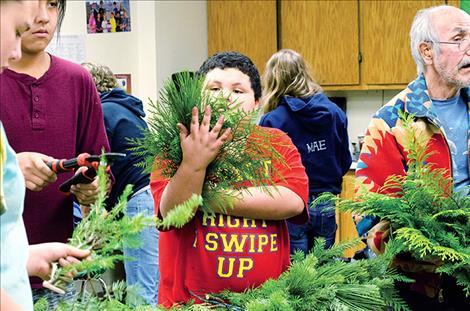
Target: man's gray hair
(422,31)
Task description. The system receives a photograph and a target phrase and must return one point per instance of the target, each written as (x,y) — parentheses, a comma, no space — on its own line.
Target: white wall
(126,52)
(166,36)
(181,32)
(360,107)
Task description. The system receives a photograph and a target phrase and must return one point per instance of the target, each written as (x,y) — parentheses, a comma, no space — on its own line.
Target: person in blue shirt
(124,118)
(294,103)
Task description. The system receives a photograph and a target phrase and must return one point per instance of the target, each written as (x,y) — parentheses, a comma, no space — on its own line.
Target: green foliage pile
(321,281)
(240,159)
(427,220)
(315,283)
(104,234)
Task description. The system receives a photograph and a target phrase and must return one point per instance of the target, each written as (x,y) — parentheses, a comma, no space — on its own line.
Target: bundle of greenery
(427,220)
(318,281)
(238,160)
(321,281)
(104,234)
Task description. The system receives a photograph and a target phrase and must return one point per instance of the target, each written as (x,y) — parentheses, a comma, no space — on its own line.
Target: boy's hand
(86,194)
(36,173)
(41,257)
(201,146)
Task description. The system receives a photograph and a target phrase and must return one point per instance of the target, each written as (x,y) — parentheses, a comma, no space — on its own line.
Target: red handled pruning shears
(84,159)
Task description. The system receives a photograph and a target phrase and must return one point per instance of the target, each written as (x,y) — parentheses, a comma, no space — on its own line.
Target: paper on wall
(69,47)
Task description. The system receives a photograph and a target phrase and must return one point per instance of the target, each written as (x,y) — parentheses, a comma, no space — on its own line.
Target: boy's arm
(289,196)
(283,203)
(200,148)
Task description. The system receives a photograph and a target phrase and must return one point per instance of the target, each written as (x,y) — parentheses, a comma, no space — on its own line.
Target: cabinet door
(455,3)
(385,40)
(326,34)
(248,27)
(346,228)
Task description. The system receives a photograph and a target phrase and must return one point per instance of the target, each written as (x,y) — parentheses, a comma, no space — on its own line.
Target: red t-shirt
(227,252)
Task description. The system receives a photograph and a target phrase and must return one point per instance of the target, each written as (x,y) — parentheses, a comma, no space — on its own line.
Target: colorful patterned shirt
(383,151)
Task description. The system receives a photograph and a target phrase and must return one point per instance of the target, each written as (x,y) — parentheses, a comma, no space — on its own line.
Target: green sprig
(427,219)
(241,159)
(103,233)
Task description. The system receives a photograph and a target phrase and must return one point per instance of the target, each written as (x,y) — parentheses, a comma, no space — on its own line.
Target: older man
(439,98)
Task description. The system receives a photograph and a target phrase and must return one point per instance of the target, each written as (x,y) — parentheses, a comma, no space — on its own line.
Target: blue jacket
(318,128)
(123,118)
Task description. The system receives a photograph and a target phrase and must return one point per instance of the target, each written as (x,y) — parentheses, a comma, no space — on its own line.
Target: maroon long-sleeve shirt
(58,115)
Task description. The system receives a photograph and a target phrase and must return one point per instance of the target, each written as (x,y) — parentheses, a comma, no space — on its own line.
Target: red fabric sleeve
(157,185)
(381,156)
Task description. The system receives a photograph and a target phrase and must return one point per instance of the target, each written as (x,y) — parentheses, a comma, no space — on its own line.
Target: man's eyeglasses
(462,45)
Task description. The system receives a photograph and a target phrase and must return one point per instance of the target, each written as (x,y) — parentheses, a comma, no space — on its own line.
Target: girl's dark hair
(61,4)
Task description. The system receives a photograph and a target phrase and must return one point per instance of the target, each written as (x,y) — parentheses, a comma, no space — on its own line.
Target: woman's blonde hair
(286,73)
(104,78)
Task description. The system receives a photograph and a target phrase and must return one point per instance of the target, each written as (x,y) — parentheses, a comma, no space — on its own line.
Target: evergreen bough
(427,219)
(103,233)
(321,281)
(317,282)
(240,159)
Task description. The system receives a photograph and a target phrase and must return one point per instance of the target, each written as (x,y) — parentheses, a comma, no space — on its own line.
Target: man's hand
(36,173)
(86,194)
(41,257)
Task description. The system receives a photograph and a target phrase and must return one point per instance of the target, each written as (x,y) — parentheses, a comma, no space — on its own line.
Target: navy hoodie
(318,128)
(123,118)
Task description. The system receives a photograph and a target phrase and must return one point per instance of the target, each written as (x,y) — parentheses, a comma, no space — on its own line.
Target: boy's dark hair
(61,13)
(235,60)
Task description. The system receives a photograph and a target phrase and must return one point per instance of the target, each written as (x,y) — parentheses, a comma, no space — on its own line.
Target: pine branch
(181,214)
(312,284)
(241,159)
(103,234)
(428,220)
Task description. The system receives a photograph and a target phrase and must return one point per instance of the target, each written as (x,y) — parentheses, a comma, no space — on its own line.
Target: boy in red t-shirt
(249,243)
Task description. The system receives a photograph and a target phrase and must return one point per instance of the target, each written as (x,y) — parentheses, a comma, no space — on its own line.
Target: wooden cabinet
(248,27)
(353,44)
(350,45)
(326,34)
(385,40)
(346,227)
(455,3)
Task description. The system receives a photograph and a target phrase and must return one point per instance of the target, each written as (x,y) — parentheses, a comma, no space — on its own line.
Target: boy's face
(43,28)
(233,85)
(15,18)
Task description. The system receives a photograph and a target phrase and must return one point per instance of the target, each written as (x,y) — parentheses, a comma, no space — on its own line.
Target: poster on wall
(107,16)
(124,81)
